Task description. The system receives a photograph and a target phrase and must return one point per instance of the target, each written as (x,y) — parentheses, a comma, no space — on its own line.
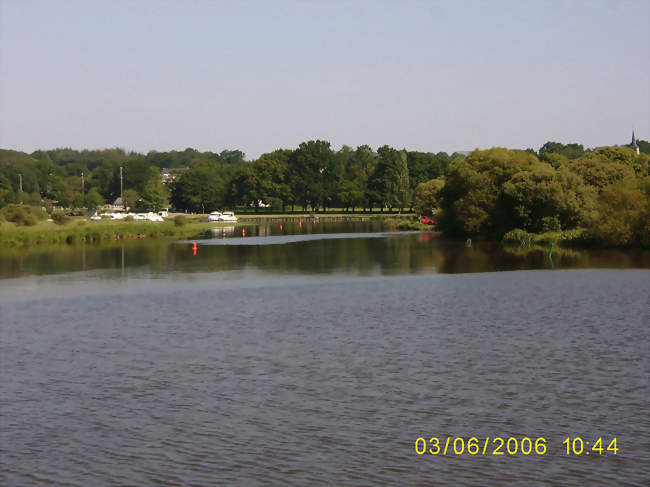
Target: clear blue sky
(259,75)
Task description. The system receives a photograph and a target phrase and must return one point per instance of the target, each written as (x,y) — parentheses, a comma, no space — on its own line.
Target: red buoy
(243,232)
(194,247)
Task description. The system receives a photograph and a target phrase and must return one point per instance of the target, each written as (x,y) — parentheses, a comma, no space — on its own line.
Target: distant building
(171,173)
(634,145)
(117,206)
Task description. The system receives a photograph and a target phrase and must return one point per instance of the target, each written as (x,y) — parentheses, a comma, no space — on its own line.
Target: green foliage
(389,184)
(395,224)
(427,196)
(644,146)
(60,218)
(83,231)
(606,166)
(544,199)
(570,151)
(307,164)
(129,218)
(22,215)
(266,179)
(201,189)
(519,237)
(496,191)
(488,192)
(155,195)
(424,166)
(522,238)
(93,199)
(180,220)
(473,199)
(131,197)
(622,216)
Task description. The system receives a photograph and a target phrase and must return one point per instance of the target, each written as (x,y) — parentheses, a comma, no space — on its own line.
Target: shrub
(128,218)
(60,218)
(518,236)
(393,224)
(551,224)
(23,215)
(180,220)
(276,204)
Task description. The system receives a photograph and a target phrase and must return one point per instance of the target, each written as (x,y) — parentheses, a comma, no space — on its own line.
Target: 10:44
(577,446)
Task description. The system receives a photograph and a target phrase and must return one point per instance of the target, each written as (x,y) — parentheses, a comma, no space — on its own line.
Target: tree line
(603,192)
(487,192)
(312,176)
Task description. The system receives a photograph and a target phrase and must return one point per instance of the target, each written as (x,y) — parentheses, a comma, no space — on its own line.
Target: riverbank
(83,230)
(80,229)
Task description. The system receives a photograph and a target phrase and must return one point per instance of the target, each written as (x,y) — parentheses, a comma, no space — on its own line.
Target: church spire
(634,145)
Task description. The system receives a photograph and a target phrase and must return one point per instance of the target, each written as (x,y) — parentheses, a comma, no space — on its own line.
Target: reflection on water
(223,232)
(318,360)
(327,382)
(341,251)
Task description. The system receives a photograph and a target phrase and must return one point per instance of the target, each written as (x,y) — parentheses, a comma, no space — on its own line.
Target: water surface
(319,362)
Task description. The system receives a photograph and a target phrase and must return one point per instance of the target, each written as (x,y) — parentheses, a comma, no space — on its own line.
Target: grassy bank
(81,230)
(325,216)
(394,224)
(567,238)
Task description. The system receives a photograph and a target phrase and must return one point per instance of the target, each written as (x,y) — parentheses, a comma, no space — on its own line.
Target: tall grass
(50,233)
(522,238)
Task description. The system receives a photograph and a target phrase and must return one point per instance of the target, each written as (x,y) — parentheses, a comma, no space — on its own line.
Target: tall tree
(389,185)
(306,166)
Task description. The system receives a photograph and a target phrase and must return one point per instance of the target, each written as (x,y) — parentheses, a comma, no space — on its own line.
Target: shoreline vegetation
(560,194)
(79,229)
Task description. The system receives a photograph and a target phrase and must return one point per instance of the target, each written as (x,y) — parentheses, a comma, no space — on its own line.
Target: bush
(23,215)
(276,204)
(394,224)
(60,218)
(551,224)
(518,236)
(180,220)
(128,218)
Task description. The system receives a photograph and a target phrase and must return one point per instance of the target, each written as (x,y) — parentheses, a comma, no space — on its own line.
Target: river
(317,355)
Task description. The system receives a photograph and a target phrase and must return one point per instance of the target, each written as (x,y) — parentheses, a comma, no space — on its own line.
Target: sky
(261,75)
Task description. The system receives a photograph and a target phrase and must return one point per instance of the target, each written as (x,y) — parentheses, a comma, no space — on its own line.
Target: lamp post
(121,188)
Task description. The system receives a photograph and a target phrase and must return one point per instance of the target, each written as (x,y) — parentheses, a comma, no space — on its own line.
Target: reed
(83,231)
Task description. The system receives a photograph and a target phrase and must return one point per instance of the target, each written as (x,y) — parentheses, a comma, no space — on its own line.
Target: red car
(427,220)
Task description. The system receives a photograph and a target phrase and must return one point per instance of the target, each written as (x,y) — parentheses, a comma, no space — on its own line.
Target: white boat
(215,216)
(228,216)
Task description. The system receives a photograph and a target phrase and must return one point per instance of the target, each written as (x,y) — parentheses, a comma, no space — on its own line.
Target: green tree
(644,146)
(606,166)
(200,189)
(138,173)
(427,196)
(570,151)
(622,216)
(306,166)
(542,199)
(130,198)
(93,199)
(472,198)
(155,195)
(267,178)
(389,184)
